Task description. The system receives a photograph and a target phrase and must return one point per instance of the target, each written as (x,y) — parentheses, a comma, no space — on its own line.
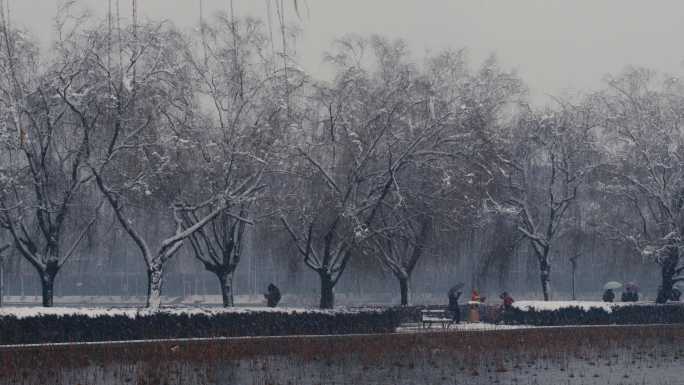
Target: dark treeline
(136,157)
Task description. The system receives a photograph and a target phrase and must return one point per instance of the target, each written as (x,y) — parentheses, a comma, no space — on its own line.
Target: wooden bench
(436,316)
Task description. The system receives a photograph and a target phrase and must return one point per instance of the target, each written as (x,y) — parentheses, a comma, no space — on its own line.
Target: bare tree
(358,146)
(239,135)
(499,241)
(331,225)
(46,169)
(446,178)
(545,179)
(156,259)
(400,246)
(140,114)
(643,116)
(219,247)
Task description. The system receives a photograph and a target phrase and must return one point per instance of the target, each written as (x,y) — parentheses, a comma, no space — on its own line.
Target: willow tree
(238,137)
(549,162)
(134,103)
(345,168)
(44,155)
(444,180)
(643,114)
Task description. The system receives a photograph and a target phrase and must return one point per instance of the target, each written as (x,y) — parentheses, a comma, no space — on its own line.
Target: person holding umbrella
(272,295)
(608,294)
(453,294)
(631,292)
(676,294)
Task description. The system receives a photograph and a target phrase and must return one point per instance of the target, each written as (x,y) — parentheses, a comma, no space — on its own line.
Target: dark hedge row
(623,315)
(78,328)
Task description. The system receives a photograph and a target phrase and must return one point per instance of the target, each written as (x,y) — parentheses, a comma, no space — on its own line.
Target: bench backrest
(433,312)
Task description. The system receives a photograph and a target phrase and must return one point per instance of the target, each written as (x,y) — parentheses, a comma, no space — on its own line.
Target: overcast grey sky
(556,45)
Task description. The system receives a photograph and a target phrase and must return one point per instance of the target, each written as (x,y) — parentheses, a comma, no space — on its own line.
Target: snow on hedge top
(556,305)
(28,312)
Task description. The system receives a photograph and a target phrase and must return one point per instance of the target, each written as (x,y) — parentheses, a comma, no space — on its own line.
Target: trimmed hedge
(623,315)
(81,328)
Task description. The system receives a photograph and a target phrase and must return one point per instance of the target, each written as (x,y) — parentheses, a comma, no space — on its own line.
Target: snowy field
(118,300)
(584,305)
(27,312)
(94,311)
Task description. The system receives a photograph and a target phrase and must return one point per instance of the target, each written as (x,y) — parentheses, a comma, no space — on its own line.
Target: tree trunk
(154,286)
(405,290)
(226,280)
(574,298)
(544,276)
(327,291)
(573,261)
(2,280)
(47,282)
(2,273)
(668,271)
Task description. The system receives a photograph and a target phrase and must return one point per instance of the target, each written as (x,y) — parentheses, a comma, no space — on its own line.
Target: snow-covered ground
(27,312)
(117,300)
(585,305)
(92,311)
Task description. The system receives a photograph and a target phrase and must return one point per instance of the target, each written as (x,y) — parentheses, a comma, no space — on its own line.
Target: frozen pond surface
(413,357)
(619,367)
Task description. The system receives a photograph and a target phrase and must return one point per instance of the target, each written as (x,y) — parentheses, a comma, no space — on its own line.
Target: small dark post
(573,261)
(2,272)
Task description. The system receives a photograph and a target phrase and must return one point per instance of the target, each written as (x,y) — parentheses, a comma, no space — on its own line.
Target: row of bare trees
(216,133)
(120,118)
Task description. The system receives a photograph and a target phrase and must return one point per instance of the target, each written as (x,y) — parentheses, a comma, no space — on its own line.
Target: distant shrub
(81,328)
(623,315)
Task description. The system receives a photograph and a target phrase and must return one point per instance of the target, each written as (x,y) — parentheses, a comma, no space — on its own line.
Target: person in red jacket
(507,300)
(475,297)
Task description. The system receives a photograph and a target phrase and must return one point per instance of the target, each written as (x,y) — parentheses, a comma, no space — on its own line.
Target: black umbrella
(455,289)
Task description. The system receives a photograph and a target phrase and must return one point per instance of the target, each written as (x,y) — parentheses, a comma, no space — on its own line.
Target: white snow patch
(28,312)
(584,305)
